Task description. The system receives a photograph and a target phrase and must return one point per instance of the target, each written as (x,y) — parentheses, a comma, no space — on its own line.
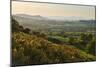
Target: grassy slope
(31,49)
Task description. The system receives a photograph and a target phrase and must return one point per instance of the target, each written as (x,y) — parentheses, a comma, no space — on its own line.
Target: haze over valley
(68,24)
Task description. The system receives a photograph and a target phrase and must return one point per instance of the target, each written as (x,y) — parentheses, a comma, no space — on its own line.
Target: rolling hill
(38,22)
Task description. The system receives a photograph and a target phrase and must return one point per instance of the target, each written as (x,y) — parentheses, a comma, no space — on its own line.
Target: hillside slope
(30,49)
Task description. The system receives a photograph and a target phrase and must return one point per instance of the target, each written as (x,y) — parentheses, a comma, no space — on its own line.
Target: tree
(26,30)
(71,40)
(21,28)
(15,25)
(91,47)
(90,37)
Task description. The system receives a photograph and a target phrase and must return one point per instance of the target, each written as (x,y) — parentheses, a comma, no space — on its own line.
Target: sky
(47,9)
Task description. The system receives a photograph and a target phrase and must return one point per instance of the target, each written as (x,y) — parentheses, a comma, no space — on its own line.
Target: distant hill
(38,22)
(67,18)
(38,17)
(57,18)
